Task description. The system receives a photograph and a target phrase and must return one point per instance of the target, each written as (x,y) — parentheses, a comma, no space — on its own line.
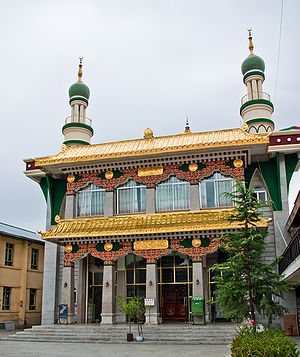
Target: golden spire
(80,69)
(187,128)
(251,46)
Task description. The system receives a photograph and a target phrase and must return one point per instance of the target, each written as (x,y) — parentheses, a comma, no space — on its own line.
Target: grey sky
(147,64)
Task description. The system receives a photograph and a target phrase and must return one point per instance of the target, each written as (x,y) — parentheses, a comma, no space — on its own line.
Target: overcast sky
(147,63)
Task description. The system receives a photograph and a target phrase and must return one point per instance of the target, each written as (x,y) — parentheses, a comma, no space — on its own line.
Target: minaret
(256,107)
(78,128)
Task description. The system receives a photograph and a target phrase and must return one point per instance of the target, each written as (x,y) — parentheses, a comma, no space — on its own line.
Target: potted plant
(133,308)
(127,308)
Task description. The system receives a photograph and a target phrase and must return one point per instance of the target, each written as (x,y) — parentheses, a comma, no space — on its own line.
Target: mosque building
(138,217)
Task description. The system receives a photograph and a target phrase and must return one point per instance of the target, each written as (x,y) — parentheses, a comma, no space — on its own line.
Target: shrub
(270,343)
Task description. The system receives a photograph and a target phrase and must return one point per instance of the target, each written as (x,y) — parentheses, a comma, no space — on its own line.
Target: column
(152,314)
(198,288)
(194,197)
(249,90)
(150,200)
(109,203)
(70,207)
(81,290)
(67,291)
(254,88)
(121,287)
(108,295)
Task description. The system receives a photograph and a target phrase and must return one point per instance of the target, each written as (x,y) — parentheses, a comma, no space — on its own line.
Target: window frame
(32,294)
(173,184)
(34,265)
(6,298)
(126,187)
(258,190)
(9,254)
(86,189)
(221,177)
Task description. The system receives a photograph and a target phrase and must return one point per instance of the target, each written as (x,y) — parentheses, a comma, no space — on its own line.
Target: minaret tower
(78,128)
(256,107)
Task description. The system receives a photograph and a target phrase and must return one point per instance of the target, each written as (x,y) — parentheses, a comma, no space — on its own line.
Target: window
(172,195)
(135,276)
(6,298)
(131,197)
(261,194)
(212,191)
(32,299)
(9,254)
(90,201)
(34,258)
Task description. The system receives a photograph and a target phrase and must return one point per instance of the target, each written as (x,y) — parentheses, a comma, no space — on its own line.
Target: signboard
(150,244)
(149,302)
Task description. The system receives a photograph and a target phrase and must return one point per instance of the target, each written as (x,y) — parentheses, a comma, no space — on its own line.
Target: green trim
(81,125)
(256,101)
(78,97)
(253,73)
(55,190)
(270,173)
(291,161)
(81,142)
(256,120)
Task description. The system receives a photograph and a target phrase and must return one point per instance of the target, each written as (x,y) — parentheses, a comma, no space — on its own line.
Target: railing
(78,119)
(255,95)
(290,254)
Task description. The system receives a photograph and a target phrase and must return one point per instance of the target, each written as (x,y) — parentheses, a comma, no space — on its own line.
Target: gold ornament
(150,171)
(68,248)
(108,246)
(238,163)
(150,244)
(193,167)
(196,242)
(148,133)
(71,178)
(109,175)
(57,218)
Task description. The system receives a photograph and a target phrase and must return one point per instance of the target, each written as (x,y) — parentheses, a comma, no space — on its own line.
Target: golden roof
(155,145)
(169,222)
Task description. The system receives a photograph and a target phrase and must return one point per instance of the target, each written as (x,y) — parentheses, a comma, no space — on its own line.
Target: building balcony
(255,96)
(78,119)
(290,262)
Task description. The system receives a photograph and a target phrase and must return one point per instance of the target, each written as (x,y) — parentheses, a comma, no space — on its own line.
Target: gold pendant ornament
(238,163)
(193,167)
(108,246)
(68,248)
(196,242)
(71,178)
(109,175)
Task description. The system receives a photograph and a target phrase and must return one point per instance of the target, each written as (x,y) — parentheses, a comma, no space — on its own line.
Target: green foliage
(270,343)
(245,284)
(132,308)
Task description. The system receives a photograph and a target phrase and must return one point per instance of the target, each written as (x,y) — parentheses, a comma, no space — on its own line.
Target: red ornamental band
(151,255)
(193,177)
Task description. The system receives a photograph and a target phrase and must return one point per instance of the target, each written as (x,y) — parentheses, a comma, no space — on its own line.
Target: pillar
(67,291)
(194,197)
(108,295)
(150,200)
(81,290)
(23,285)
(198,286)
(255,89)
(109,203)
(70,207)
(121,287)
(152,314)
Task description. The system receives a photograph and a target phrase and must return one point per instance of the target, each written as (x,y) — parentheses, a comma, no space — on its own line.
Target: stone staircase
(210,334)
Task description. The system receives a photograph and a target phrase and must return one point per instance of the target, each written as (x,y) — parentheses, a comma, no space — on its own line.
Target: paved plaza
(46,349)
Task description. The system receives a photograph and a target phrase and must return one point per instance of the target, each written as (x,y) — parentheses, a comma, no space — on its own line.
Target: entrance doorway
(175,287)
(95,284)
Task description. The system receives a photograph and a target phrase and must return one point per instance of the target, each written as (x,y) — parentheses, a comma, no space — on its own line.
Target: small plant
(273,343)
(133,309)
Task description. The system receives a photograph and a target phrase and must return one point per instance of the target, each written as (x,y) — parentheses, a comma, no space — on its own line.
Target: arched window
(172,195)
(212,191)
(90,201)
(261,194)
(131,197)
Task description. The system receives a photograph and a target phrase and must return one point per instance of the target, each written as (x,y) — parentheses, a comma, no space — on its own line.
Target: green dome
(253,62)
(79,89)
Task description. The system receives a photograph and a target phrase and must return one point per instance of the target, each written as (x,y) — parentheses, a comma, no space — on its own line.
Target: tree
(132,308)
(245,284)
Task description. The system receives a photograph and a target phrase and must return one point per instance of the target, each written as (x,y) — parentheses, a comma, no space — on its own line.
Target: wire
(279,47)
